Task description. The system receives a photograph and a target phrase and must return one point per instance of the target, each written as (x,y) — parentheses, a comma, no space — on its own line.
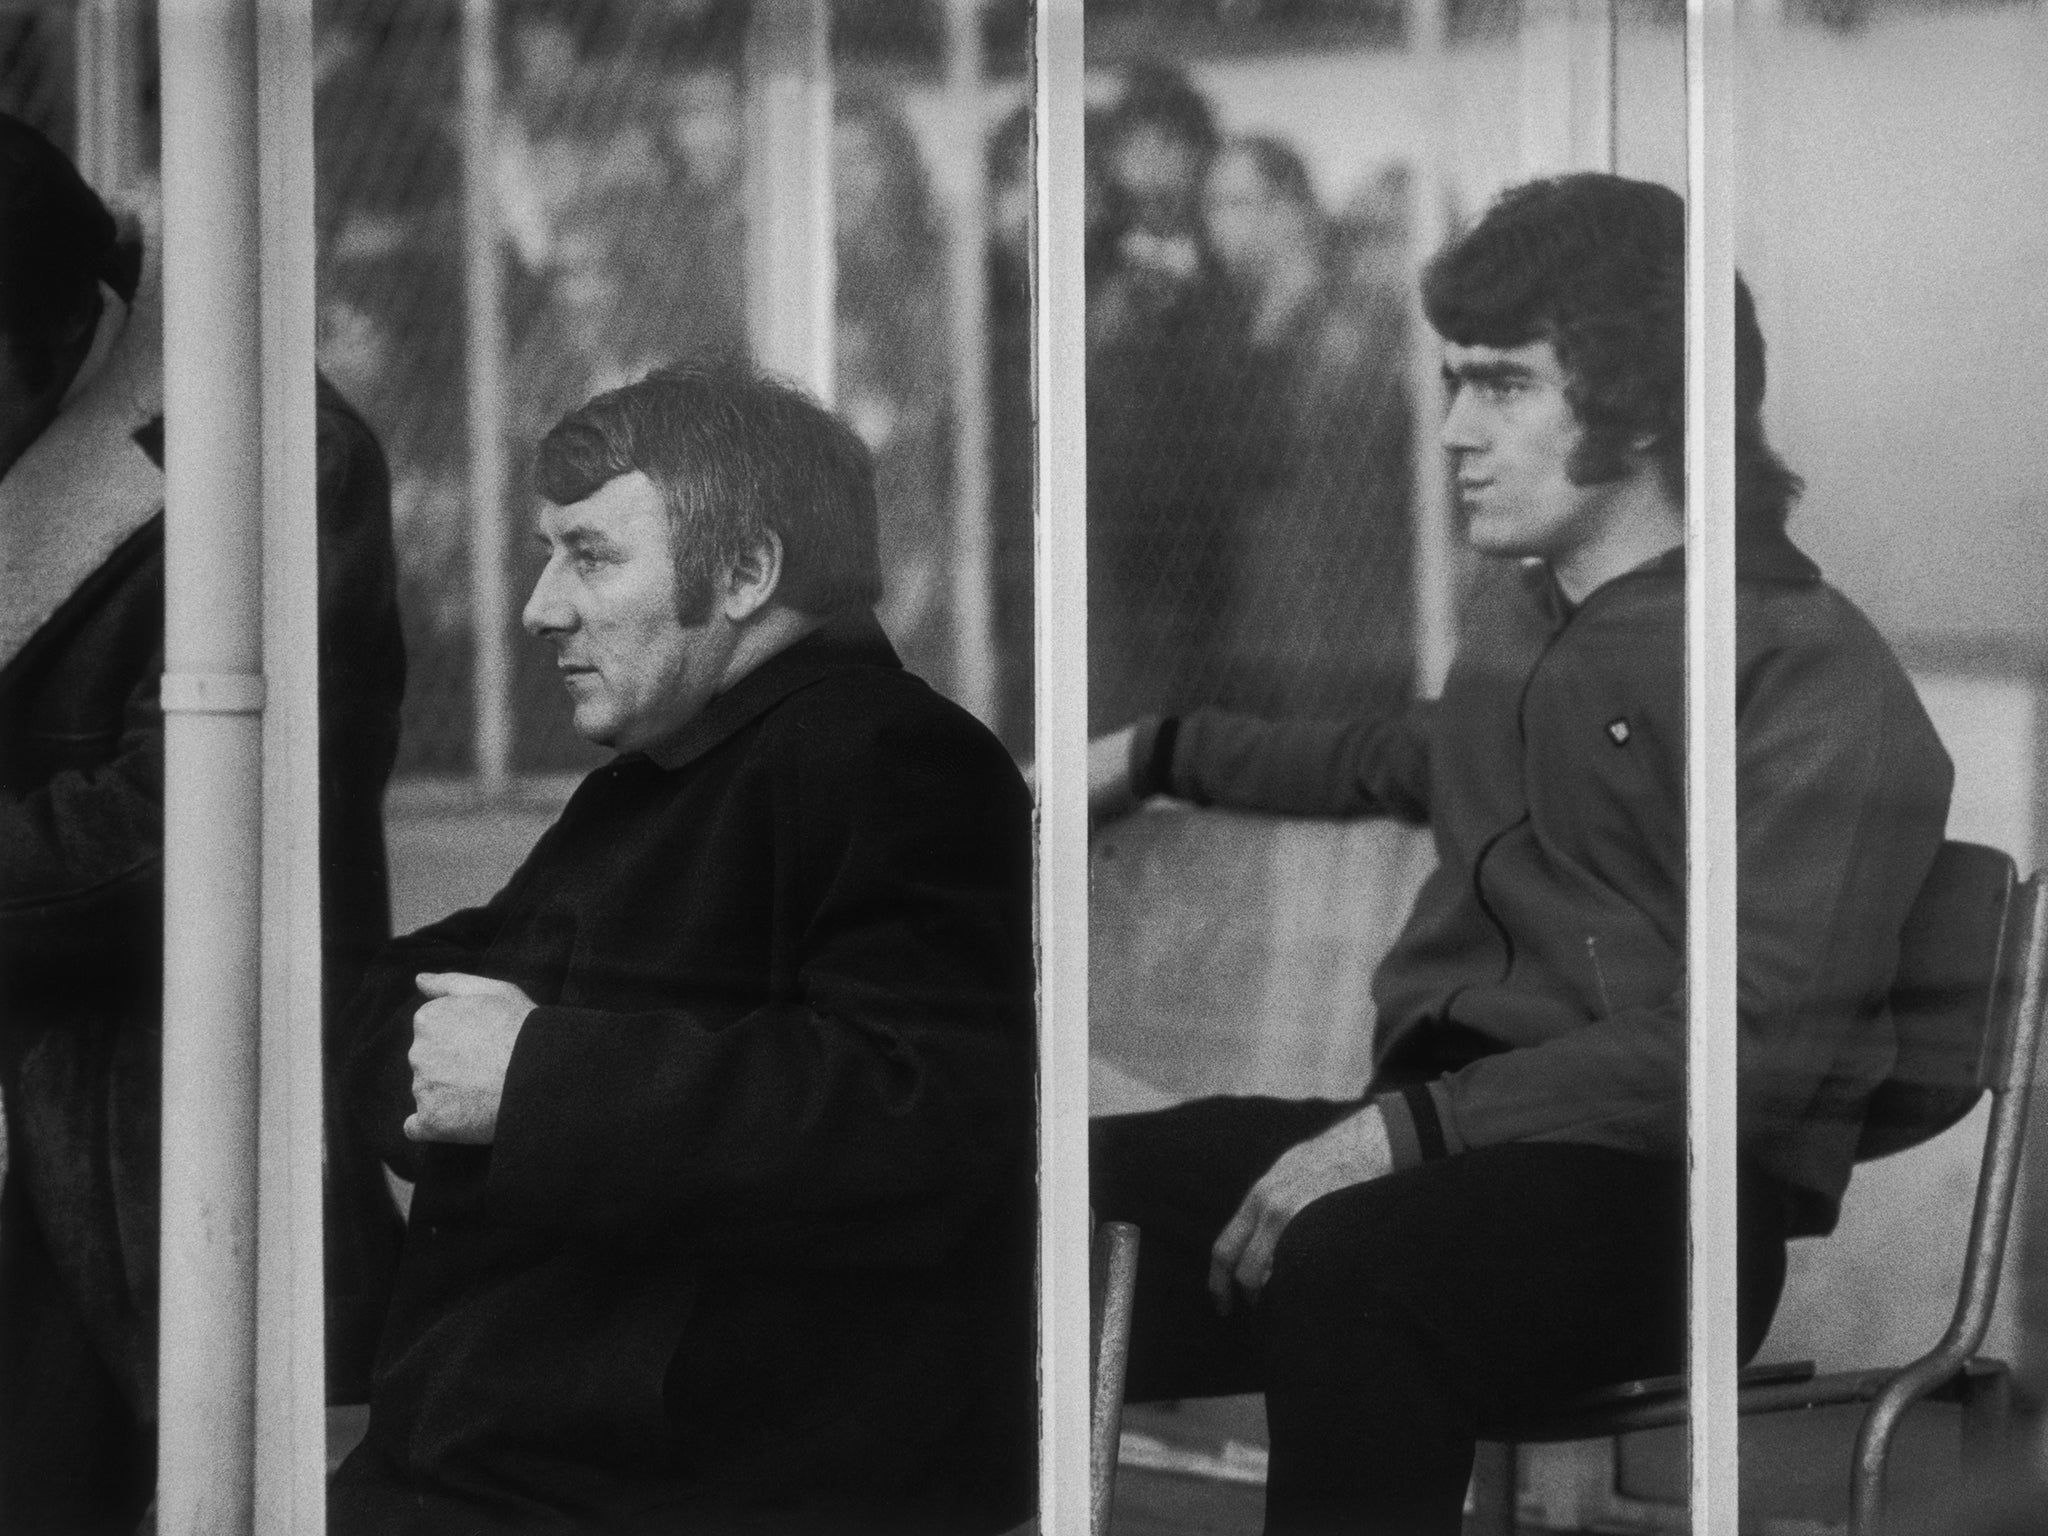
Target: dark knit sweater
(1537,992)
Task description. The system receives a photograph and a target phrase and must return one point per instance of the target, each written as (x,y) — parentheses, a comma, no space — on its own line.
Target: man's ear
(755,576)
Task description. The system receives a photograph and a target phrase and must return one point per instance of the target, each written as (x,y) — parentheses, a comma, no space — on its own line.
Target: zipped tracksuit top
(1537,992)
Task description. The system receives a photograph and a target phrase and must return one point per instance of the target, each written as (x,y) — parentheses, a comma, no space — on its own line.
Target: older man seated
(719,1111)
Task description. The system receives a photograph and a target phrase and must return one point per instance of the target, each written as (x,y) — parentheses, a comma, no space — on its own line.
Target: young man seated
(1499,1221)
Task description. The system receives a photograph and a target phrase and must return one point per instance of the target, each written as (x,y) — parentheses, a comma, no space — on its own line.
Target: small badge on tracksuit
(1617,730)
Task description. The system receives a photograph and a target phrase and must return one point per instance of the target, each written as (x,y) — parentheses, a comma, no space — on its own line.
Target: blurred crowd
(1248,414)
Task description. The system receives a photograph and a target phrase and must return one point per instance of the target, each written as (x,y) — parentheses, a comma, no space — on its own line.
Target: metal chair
(1112,1278)
(1967,1004)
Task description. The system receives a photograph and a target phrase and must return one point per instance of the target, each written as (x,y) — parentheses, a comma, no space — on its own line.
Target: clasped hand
(462,1038)
(1350,1152)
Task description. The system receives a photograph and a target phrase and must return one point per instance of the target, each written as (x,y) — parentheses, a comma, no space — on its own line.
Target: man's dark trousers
(1404,1313)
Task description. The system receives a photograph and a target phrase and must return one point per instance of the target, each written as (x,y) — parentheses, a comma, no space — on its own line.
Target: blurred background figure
(1320,610)
(388,198)
(1012,451)
(892,360)
(1249,422)
(1175,441)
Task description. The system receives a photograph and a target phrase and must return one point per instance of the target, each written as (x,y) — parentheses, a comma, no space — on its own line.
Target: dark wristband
(1429,1126)
(1158,776)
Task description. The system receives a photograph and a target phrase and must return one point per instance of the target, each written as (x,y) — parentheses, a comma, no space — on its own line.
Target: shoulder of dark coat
(861,714)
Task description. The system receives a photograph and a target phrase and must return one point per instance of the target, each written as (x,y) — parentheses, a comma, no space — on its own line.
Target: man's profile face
(1511,434)
(606,600)
(1244,219)
(1160,174)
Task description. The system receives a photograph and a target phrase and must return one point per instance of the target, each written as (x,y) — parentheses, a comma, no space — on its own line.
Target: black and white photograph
(1023,767)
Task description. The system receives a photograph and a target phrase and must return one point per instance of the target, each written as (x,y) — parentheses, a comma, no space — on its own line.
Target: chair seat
(1660,1402)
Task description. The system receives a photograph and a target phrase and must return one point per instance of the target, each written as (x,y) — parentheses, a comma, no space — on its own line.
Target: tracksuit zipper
(1507,941)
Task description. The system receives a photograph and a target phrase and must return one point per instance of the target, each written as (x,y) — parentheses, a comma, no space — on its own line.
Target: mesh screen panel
(36,69)
(1248,418)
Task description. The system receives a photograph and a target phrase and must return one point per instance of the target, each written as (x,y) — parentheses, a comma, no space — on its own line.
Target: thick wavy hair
(57,243)
(736,453)
(1595,265)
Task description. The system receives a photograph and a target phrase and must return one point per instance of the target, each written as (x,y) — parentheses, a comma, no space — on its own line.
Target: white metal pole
(1711,843)
(290,1452)
(484,366)
(1567,53)
(106,58)
(1435,562)
(973,552)
(792,263)
(213,699)
(1061,726)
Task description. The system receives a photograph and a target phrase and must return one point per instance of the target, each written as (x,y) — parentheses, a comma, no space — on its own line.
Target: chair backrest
(1953,999)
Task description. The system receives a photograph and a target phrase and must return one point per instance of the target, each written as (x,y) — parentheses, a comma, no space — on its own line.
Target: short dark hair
(57,242)
(1595,265)
(1156,95)
(736,453)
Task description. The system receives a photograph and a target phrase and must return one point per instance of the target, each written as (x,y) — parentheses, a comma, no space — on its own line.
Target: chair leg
(1987,1417)
(1494,1468)
(1114,1276)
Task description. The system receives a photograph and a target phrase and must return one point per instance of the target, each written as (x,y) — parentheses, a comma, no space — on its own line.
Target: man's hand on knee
(462,1038)
(1350,1152)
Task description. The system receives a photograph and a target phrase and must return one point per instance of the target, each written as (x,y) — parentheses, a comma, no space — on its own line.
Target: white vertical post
(1435,564)
(484,379)
(106,51)
(1567,52)
(1061,726)
(974,637)
(213,700)
(792,266)
(1711,842)
(291,1442)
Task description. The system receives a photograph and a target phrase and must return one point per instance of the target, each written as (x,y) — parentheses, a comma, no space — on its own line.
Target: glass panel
(612,162)
(1275,530)
(1894,245)
(627,177)
(37,82)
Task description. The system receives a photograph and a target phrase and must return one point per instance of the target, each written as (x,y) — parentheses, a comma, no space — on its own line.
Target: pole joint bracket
(212,693)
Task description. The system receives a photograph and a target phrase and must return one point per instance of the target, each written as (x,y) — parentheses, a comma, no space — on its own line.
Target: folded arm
(864,1119)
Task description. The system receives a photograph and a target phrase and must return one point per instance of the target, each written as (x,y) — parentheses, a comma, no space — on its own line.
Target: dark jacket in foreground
(756,1230)
(1539,989)
(81,906)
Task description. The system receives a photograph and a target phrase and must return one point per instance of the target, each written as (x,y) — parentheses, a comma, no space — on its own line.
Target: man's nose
(547,612)
(1461,427)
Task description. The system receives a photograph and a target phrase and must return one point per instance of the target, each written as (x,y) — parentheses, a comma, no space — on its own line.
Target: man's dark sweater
(756,1229)
(1538,990)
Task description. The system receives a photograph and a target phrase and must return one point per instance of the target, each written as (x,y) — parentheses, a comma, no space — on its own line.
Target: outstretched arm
(1372,767)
